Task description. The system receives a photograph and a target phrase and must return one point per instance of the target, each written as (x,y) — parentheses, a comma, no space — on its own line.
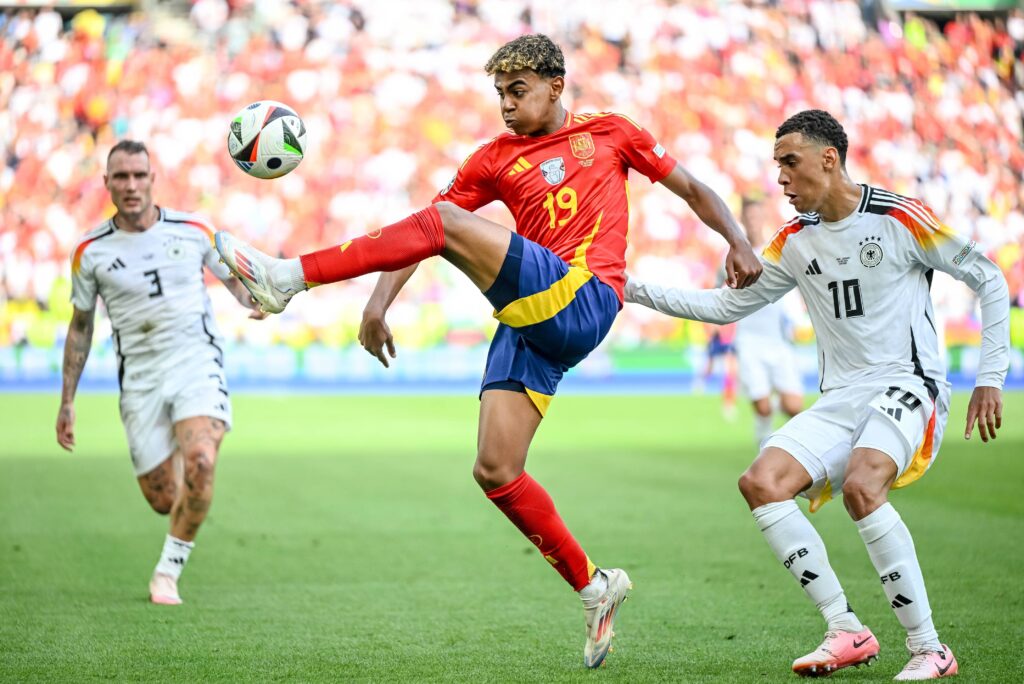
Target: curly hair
(536,52)
(819,126)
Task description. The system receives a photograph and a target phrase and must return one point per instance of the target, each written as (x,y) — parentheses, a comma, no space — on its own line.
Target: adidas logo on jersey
(116,264)
(520,165)
(813,268)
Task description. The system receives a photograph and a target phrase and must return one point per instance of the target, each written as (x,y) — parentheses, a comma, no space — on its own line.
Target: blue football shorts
(551,314)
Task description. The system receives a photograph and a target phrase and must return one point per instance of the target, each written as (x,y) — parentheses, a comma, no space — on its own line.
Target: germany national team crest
(870,252)
(582,146)
(175,250)
(553,170)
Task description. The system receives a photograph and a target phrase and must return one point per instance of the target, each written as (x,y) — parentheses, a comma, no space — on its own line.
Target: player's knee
(753,487)
(199,469)
(450,214)
(160,495)
(161,503)
(490,476)
(861,495)
(760,486)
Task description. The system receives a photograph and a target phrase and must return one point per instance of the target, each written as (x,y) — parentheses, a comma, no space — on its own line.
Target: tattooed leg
(198,440)
(160,486)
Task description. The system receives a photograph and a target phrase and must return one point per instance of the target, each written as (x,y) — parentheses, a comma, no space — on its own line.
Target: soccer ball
(267,139)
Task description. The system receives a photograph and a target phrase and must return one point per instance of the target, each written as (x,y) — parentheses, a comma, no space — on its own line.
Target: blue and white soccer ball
(267,139)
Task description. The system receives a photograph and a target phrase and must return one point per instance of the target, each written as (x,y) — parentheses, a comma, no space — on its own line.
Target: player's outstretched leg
(273,282)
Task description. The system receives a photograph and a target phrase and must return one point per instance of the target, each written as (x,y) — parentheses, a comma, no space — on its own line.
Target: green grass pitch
(348,541)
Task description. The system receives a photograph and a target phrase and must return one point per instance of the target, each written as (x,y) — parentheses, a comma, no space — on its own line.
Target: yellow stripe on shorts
(544,305)
(541,401)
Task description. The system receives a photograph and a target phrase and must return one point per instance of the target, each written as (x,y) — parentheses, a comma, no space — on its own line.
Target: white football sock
(762,428)
(799,547)
(174,556)
(288,275)
(598,585)
(892,552)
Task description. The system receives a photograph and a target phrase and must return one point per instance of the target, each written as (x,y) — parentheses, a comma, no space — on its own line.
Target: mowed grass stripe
(348,541)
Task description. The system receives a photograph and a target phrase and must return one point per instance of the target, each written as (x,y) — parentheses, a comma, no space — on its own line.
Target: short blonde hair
(536,52)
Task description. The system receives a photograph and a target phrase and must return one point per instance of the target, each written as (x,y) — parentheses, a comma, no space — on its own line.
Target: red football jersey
(567,191)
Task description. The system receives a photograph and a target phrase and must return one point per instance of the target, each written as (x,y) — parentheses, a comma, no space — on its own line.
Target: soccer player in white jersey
(147,264)
(767,363)
(863,258)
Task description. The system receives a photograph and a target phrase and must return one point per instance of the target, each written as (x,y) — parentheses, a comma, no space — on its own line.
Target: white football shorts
(192,386)
(768,367)
(900,420)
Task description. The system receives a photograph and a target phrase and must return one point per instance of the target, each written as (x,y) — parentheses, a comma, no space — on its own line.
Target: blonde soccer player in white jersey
(146,262)
(863,258)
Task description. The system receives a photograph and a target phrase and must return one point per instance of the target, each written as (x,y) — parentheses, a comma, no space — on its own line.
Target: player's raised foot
(839,649)
(259,272)
(929,665)
(163,590)
(600,608)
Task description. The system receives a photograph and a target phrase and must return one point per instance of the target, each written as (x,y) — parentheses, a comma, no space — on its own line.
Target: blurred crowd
(394,96)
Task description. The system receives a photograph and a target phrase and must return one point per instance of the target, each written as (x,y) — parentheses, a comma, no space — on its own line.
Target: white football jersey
(151,283)
(865,280)
(768,325)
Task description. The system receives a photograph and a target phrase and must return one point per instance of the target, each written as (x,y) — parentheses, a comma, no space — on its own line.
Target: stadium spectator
(940,118)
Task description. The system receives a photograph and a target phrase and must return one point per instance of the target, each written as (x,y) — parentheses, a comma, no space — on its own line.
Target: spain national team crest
(582,146)
(553,170)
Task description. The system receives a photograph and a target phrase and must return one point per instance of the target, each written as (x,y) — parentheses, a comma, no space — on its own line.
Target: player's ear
(557,85)
(830,158)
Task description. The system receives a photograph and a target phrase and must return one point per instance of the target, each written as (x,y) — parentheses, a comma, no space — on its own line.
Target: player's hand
(66,426)
(258,314)
(374,335)
(742,267)
(986,408)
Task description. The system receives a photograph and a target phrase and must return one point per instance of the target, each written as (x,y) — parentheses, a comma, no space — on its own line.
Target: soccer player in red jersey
(556,283)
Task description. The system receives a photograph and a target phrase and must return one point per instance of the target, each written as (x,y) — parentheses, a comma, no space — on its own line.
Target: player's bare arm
(742,267)
(76,352)
(374,333)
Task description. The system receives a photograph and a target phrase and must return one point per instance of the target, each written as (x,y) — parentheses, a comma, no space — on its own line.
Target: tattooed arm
(76,351)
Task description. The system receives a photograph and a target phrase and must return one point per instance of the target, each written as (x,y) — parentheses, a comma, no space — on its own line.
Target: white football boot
(259,272)
(163,590)
(929,665)
(600,612)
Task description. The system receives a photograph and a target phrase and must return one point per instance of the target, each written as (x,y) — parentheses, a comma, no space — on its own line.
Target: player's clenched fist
(742,267)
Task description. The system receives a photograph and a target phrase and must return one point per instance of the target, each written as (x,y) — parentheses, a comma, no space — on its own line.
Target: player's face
(130,182)
(528,101)
(805,171)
